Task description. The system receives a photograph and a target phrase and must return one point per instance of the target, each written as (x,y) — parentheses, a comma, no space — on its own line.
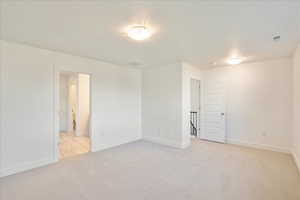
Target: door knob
(222,114)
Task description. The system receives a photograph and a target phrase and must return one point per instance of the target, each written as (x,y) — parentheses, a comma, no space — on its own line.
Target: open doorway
(195,108)
(74,114)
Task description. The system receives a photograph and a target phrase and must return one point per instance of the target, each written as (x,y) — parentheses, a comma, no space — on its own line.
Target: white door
(214,110)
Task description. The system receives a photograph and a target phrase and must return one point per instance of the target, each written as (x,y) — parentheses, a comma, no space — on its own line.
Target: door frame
(56,131)
(200,103)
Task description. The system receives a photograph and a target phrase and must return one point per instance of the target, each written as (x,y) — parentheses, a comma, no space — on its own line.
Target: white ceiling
(199,33)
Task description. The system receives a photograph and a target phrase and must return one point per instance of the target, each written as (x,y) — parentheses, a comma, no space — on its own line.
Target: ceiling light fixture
(234,61)
(139,32)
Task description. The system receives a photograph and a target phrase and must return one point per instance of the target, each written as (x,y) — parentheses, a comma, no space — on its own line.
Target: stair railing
(194,123)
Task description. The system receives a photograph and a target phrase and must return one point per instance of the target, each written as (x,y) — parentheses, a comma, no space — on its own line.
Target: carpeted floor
(146,171)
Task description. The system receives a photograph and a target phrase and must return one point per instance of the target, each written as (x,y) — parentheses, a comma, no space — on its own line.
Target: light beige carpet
(146,171)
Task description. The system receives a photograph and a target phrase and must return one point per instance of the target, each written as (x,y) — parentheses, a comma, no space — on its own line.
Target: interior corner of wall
(186,144)
(184,63)
(1,173)
(296,159)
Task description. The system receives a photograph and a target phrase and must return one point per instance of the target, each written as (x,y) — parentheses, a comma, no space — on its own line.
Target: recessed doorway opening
(74,114)
(195,112)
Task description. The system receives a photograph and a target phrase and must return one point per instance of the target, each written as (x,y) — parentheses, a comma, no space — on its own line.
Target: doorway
(195,112)
(74,114)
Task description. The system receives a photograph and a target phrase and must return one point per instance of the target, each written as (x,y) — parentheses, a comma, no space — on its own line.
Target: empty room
(150,99)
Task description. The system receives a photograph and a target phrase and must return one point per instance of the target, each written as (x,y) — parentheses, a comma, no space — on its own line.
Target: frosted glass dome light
(234,61)
(139,33)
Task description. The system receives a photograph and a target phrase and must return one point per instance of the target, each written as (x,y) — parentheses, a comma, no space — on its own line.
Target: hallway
(71,145)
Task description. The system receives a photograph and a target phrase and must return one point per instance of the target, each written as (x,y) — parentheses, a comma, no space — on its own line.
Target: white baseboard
(297,160)
(31,165)
(186,145)
(104,147)
(25,167)
(166,142)
(259,146)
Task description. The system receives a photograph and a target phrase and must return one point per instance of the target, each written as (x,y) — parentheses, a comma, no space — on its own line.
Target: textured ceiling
(199,32)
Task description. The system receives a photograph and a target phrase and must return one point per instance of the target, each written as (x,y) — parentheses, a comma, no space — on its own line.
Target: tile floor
(71,145)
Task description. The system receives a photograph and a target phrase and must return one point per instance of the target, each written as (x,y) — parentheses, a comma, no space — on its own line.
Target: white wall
(296,106)
(1,109)
(195,95)
(166,103)
(63,103)
(28,96)
(259,103)
(162,104)
(84,103)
